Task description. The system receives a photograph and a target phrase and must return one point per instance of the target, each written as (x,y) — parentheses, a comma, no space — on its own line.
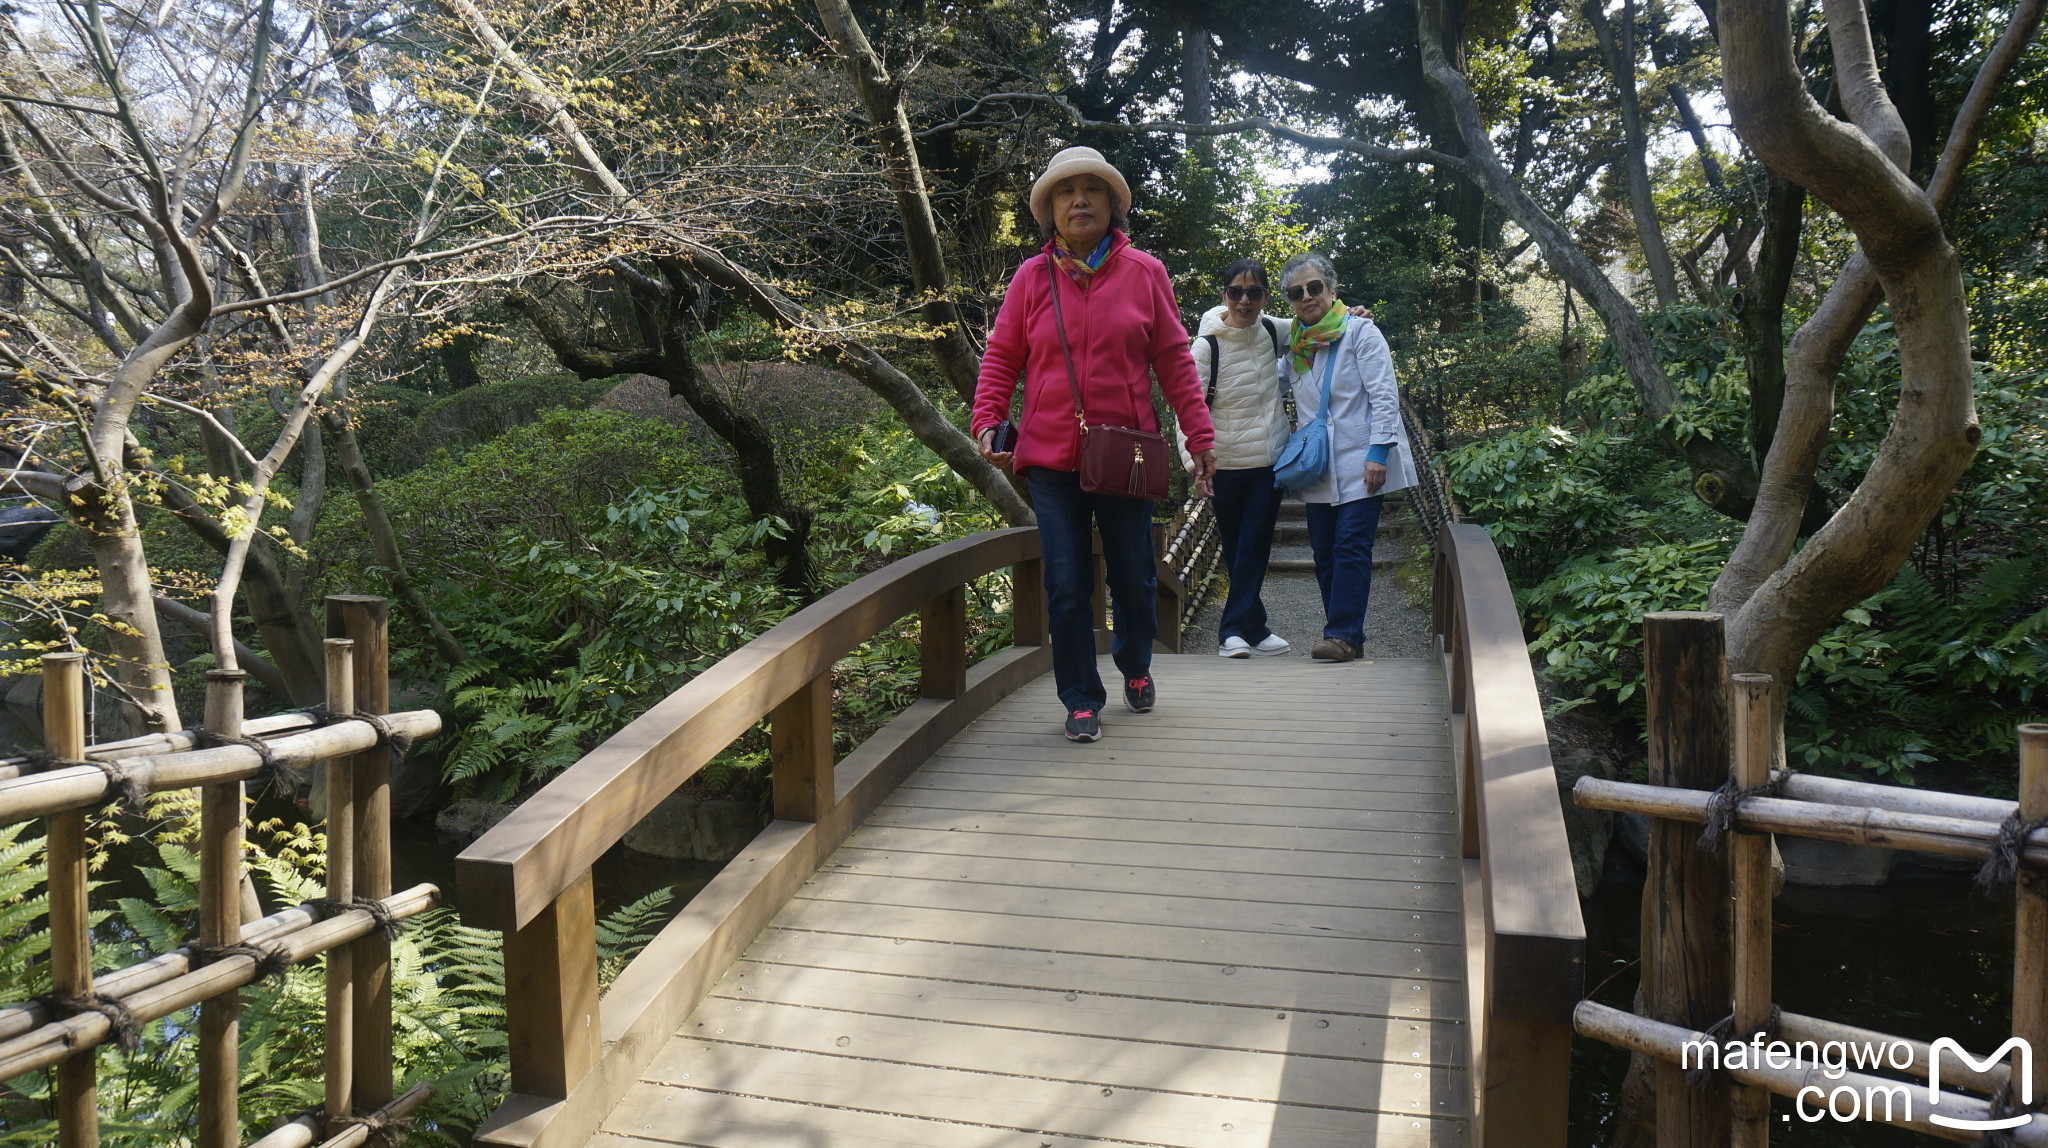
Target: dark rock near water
(468,819)
(687,828)
(21,528)
(1589,830)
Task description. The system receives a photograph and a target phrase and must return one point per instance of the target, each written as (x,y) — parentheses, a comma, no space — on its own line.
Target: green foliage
(1597,526)
(448,1008)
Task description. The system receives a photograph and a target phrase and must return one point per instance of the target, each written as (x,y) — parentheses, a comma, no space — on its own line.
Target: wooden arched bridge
(1297,904)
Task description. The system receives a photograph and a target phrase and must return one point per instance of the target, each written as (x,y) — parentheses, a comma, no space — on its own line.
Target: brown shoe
(1332,650)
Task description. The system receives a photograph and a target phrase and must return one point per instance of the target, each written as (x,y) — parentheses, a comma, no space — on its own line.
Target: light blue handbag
(1305,458)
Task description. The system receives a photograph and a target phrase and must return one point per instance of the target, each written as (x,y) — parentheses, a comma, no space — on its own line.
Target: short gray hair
(1314,261)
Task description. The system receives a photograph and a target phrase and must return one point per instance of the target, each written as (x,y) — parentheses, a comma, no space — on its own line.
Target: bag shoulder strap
(1329,367)
(1272,332)
(1214,355)
(1052,285)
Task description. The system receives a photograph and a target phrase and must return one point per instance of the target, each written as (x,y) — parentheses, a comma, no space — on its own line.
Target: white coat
(1251,422)
(1365,410)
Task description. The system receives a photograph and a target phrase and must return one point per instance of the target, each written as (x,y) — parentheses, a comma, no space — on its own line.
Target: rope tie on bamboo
(388,922)
(210,739)
(127,1030)
(2002,869)
(1727,801)
(399,744)
(2001,1107)
(271,960)
(127,786)
(388,1131)
(1717,1034)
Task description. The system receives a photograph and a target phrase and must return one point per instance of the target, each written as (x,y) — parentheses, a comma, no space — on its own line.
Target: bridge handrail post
(365,620)
(1687,943)
(551,972)
(1749,871)
(1028,618)
(942,645)
(800,751)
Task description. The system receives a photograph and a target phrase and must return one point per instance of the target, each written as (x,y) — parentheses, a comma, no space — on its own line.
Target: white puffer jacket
(1251,423)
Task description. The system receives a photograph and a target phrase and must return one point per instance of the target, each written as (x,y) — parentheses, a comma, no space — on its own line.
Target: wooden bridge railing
(1707,917)
(236,944)
(1525,941)
(574,1055)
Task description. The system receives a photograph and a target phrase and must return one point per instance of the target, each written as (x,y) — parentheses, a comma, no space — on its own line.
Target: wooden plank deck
(1235,921)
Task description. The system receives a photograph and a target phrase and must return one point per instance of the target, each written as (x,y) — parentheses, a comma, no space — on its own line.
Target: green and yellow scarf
(1309,339)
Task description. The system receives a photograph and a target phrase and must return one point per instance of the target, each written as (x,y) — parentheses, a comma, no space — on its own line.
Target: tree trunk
(883,98)
(1761,312)
(1934,433)
(931,426)
(135,641)
(1618,48)
(1817,350)
(1724,478)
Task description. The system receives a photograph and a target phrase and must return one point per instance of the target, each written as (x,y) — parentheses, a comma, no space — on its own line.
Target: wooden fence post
(2030,932)
(1749,868)
(1687,974)
(341,888)
(800,751)
(551,993)
(1027,603)
(365,621)
(78,1124)
(220,923)
(942,645)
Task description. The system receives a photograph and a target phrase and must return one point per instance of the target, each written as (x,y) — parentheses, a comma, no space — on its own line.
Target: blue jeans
(1342,536)
(1247,504)
(1065,515)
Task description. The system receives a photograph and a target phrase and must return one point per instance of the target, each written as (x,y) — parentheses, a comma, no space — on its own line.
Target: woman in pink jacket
(1122,326)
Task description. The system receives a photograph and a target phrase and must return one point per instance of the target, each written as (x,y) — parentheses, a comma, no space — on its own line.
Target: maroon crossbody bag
(1121,461)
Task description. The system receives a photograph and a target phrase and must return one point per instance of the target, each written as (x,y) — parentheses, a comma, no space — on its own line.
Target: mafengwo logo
(1868,1098)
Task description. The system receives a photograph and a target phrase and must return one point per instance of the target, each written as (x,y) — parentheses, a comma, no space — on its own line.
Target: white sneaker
(1235,647)
(1274,644)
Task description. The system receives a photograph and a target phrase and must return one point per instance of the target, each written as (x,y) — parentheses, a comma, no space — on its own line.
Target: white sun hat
(1078,161)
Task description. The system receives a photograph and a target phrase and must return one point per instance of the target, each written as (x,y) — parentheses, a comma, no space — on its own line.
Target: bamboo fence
(1707,914)
(236,945)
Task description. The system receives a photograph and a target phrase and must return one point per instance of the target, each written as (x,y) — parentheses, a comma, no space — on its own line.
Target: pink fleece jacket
(1124,327)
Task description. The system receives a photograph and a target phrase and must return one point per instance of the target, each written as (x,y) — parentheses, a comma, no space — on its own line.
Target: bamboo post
(220,923)
(78,1124)
(1749,871)
(341,888)
(365,621)
(1027,603)
(1687,974)
(551,995)
(800,751)
(942,645)
(2030,931)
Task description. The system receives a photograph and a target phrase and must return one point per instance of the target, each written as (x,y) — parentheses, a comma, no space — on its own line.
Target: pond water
(1924,957)
(419,853)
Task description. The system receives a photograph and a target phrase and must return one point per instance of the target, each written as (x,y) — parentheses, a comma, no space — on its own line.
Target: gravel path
(1395,625)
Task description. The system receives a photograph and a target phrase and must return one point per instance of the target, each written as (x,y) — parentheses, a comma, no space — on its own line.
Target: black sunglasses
(1312,287)
(1240,294)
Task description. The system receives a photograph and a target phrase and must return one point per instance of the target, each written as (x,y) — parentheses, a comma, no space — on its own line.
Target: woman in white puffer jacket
(1237,356)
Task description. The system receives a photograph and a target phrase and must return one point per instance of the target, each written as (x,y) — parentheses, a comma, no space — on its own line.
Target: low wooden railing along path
(1706,940)
(236,943)
(1297,904)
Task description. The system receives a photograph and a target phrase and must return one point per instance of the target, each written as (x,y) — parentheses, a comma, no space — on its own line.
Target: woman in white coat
(1369,452)
(1236,356)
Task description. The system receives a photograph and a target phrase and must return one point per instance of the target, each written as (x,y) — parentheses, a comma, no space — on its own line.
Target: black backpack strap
(1272,332)
(1210,398)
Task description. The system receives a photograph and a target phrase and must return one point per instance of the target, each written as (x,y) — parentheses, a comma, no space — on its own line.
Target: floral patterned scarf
(1083,270)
